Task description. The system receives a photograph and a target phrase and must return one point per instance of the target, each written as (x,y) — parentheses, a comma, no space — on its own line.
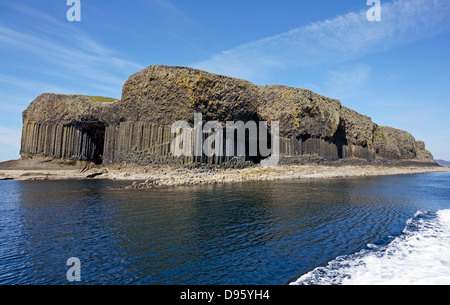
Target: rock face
(65,127)
(137,128)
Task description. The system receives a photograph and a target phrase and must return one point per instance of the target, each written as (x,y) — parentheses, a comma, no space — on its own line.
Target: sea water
(420,255)
(373,230)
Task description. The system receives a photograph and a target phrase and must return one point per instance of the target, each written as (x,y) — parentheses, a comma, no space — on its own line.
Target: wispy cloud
(336,40)
(10,143)
(10,136)
(21,84)
(347,80)
(83,57)
(59,46)
(172,9)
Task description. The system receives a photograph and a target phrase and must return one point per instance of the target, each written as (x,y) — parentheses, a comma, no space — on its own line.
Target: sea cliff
(136,129)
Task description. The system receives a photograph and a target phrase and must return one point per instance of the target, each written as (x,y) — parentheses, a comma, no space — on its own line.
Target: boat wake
(420,255)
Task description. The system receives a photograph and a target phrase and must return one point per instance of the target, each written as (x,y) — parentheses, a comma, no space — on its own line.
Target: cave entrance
(251,141)
(340,139)
(93,141)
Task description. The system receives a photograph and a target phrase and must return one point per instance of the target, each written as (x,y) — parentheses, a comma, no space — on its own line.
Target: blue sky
(396,71)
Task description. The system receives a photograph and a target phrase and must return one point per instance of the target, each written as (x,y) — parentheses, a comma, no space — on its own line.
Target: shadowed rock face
(301,113)
(136,128)
(164,95)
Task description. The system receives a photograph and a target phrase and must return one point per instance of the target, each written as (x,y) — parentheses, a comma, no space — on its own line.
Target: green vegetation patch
(102,99)
(379,136)
(423,151)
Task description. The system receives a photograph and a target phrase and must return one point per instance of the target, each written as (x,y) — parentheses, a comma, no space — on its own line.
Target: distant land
(443,163)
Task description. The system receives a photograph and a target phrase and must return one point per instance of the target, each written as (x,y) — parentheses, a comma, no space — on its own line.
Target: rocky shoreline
(160,176)
(174,178)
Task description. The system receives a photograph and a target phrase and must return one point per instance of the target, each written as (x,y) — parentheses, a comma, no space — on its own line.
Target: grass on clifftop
(102,99)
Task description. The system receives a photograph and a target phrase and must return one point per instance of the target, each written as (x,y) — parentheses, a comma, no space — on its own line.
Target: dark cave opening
(340,139)
(93,141)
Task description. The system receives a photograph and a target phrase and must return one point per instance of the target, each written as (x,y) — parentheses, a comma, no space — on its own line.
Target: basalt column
(141,143)
(71,142)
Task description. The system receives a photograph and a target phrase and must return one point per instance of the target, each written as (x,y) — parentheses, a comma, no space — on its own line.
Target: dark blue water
(250,233)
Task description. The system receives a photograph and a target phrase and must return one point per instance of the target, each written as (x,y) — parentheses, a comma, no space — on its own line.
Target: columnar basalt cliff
(137,128)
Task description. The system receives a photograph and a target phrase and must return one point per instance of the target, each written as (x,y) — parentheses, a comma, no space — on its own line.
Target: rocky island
(78,136)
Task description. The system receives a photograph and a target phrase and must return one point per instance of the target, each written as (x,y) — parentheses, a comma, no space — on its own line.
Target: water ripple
(252,233)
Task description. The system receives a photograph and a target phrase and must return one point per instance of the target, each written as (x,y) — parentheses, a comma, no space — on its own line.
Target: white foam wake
(419,256)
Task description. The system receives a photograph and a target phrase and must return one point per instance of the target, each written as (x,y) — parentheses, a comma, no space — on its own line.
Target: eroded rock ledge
(136,128)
